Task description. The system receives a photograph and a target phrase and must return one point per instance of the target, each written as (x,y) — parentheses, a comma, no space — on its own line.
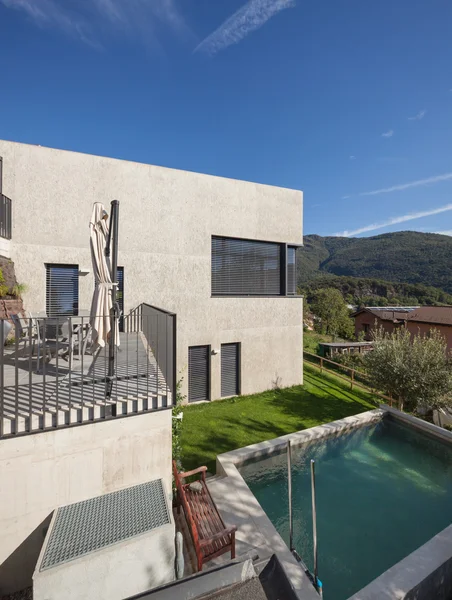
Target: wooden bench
(210,536)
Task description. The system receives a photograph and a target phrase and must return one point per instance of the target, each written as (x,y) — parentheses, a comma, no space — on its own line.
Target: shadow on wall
(16,572)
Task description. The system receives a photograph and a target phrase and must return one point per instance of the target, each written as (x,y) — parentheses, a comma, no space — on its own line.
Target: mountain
(407,257)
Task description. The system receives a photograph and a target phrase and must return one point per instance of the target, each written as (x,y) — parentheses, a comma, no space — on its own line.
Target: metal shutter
(245,267)
(198,373)
(291,270)
(61,290)
(229,370)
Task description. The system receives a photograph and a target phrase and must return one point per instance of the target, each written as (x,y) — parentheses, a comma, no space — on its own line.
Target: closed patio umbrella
(102,298)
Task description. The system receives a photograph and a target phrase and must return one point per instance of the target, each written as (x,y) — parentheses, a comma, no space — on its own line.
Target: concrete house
(207,286)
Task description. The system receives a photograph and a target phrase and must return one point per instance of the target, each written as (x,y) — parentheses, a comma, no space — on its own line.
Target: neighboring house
(416,319)
(216,256)
(424,319)
(388,318)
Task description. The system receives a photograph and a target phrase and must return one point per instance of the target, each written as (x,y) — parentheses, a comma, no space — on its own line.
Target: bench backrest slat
(187,509)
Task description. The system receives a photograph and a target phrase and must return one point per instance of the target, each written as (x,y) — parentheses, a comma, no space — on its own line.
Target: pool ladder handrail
(313,577)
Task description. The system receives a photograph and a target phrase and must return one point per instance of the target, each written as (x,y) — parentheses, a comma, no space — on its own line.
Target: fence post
(321,364)
(352,379)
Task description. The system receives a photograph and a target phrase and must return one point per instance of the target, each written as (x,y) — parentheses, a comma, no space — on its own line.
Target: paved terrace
(58,395)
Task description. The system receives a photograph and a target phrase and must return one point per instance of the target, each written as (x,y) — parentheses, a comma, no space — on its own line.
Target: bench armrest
(193,472)
(218,536)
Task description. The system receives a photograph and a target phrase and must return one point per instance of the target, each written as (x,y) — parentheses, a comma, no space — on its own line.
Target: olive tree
(329,306)
(414,370)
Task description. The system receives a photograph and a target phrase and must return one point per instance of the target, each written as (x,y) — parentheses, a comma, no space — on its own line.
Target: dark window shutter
(229,370)
(291,270)
(61,290)
(245,267)
(198,373)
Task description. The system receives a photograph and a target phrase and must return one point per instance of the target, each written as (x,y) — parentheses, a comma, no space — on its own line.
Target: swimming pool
(383,490)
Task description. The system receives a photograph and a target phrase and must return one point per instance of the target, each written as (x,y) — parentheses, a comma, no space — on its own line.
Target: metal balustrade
(51,377)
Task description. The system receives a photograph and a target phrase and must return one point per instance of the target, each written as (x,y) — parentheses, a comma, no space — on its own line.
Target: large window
(252,268)
(61,290)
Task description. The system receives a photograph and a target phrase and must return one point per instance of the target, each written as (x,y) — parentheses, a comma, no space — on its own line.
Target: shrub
(415,370)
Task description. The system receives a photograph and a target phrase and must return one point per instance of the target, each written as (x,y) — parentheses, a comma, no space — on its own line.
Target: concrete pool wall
(413,578)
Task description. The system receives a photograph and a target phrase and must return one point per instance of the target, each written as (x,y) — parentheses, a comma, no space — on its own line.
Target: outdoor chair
(28,337)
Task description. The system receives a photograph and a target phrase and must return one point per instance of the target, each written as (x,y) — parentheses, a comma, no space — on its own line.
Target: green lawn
(212,428)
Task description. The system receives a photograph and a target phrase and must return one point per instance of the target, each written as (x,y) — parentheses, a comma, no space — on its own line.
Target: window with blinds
(198,373)
(291,270)
(61,290)
(230,368)
(245,267)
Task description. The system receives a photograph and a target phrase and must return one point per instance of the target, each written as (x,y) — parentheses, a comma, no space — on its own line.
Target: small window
(366,327)
(198,373)
(291,270)
(230,368)
(61,290)
(120,296)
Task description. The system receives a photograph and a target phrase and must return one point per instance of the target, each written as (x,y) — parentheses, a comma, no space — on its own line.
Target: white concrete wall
(167,218)
(40,472)
(113,573)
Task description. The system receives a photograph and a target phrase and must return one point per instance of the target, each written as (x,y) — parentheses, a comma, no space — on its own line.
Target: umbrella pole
(113,240)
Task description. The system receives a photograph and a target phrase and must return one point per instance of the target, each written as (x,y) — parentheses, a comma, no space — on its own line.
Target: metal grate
(93,524)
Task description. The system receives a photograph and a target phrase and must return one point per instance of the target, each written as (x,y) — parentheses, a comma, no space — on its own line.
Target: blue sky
(348,100)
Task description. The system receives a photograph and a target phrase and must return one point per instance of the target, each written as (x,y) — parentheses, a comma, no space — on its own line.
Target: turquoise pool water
(383,490)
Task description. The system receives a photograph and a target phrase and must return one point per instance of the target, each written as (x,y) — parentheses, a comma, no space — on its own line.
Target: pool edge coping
(228,465)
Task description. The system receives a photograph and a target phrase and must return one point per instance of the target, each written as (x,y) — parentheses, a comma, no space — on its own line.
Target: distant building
(421,319)
(331,348)
(389,318)
(424,319)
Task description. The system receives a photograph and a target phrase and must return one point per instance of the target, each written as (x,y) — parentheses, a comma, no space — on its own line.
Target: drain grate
(93,524)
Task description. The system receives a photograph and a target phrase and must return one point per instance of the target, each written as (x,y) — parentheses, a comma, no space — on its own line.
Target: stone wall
(9,305)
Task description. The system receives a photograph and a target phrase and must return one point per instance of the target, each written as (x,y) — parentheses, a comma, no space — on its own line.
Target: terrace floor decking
(59,395)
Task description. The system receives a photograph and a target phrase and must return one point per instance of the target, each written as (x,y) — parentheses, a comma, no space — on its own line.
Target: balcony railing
(50,377)
(5,217)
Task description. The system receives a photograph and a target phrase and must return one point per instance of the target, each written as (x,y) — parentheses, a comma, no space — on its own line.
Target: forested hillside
(369,267)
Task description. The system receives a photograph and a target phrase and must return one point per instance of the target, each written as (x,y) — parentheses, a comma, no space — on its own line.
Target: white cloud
(352,157)
(388,134)
(247,19)
(420,115)
(447,232)
(396,220)
(406,186)
(88,20)
(345,197)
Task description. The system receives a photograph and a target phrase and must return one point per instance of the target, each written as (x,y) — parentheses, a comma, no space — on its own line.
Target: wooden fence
(353,376)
